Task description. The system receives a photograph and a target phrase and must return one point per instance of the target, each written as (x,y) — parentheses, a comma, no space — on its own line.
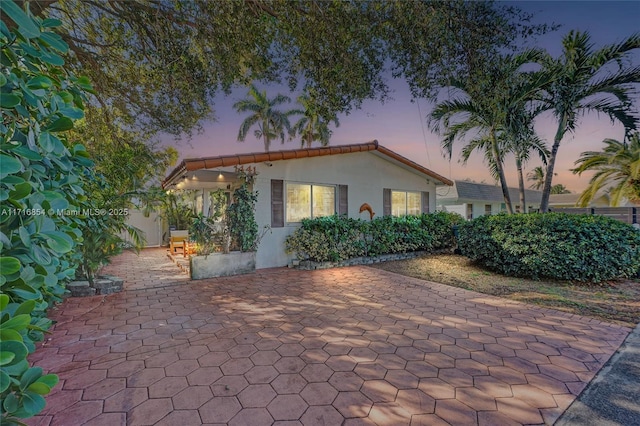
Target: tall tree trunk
(523,200)
(265,135)
(503,180)
(548,177)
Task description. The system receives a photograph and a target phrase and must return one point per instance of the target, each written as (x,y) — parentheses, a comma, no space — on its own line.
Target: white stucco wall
(365,173)
(151,227)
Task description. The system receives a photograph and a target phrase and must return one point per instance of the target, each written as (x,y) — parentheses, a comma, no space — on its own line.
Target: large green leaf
(33,403)
(59,241)
(6,357)
(39,388)
(9,100)
(21,190)
(6,335)
(50,380)
(9,265)
(39,82)
(10,403)
(30,376)
(5,381)
(60,125)
(18,349)
(18,322)
(4,301)
(25,307)
(9,165)
(55,41)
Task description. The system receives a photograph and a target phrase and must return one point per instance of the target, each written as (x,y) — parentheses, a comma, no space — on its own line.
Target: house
(312,182)
(471,200)
(602,199)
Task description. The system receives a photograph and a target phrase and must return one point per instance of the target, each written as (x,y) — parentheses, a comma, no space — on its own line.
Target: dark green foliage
(160,63)
(241,216)
(21,386)
(330,238)
(336,238)
(206,236)
(553,245)
(41,171)
(41,179)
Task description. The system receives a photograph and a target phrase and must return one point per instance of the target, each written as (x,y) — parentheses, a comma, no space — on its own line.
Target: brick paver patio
(343,346)
(152,267)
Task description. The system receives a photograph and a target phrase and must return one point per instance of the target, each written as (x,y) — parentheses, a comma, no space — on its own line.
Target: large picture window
(308,201)
(406,203)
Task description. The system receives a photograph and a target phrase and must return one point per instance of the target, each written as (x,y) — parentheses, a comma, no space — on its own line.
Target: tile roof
(191,164)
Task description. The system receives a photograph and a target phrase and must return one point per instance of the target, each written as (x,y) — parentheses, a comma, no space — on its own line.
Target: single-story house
(561,201)
(312,182)
(471,199)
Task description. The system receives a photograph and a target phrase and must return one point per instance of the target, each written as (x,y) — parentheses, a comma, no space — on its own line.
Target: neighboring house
(312,182)
(560,201)
(471,200)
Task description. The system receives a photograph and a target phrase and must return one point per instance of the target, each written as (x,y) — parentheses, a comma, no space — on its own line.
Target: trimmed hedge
(553,245)
(337,238)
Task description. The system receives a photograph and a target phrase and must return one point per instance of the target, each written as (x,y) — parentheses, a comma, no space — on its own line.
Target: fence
(623,214)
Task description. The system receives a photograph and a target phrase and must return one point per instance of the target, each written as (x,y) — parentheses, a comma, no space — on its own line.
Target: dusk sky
(400,124)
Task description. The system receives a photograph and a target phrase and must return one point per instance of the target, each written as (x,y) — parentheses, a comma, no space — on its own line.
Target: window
(309,201)
(469,211)
(406,203)
(487,209)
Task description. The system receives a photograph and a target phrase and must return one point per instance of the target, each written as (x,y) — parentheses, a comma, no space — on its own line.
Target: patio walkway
(342,346)
(151,268)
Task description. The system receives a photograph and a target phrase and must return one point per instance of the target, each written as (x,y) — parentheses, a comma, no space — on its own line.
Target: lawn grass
(613,301)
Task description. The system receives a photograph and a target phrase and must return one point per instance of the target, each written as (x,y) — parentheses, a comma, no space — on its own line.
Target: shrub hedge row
(336,238)
(553,245)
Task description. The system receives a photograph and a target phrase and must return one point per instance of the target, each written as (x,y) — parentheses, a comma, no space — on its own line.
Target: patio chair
(178,240)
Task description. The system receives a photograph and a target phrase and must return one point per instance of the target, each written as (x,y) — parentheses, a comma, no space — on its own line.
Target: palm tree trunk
(548,177)
(523,201)
(501,176)
(265,135)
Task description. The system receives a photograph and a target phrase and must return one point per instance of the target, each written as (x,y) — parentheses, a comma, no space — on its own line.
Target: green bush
(336,238)
(41,177)
(21,386)
(331,238)
(553,245)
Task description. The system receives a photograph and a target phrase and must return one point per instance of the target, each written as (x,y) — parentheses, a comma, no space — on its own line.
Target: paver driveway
(332,347)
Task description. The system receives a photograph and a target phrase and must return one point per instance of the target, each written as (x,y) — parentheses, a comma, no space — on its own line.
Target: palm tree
(271,122)
(491,105)
(537,177)
(311,127)
(617,166)
(522,141)
(584,82)
(559,189)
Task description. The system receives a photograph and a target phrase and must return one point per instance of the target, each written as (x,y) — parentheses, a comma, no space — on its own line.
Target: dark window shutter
(343,200)
(386,202)
(277,203)
(425,202)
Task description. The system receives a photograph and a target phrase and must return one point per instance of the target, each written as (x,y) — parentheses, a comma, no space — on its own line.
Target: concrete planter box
(222,265)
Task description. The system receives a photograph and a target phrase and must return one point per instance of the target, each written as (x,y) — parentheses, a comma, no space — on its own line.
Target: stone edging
(309,265)
(103,284)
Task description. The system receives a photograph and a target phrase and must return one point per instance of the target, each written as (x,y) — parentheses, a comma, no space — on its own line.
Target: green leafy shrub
(439,227)
(553,245)
(21,387)
(41,172)
(41,178)
(206,235)
(336,238)
(330,238)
